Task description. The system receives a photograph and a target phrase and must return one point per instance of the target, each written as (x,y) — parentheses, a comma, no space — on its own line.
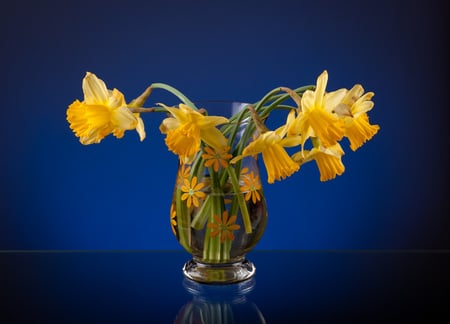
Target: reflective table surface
(289,287)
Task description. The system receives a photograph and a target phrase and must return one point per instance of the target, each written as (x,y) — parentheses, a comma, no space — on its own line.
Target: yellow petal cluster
(327,117)
(278,163)
(316,118)
(102,112)
(328,160)
(357,126)
(188,127)
(322,117)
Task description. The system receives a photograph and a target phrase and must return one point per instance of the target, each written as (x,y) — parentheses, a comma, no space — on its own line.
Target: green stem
(197,167)
(225,252)
(266,98)
(234,124)
(240,199)
(183,222)
(201,217)
(207,243)
(278,99)
(175,92)
(214,250)
(147,110)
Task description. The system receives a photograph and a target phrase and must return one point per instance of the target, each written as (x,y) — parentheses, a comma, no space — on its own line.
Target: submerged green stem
(240,199)
(183,222)
(201,216)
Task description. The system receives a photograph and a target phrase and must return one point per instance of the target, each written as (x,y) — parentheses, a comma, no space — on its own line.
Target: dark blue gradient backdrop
(59,194)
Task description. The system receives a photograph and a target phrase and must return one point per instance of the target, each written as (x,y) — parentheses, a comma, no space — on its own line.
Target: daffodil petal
(116,99)
(308,100)
(212,121)
(94,89)
(123,118)
(213,137)
(332,99)
(291,141)
(140,128)
(322,81)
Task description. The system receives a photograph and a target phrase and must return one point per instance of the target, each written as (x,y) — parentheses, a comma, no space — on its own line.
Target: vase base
(214,273)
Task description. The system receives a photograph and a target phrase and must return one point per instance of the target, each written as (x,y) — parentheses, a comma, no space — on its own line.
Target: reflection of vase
(218,212)
(219,304)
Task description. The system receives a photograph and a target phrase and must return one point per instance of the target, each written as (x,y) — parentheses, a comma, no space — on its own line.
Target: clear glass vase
(219,212)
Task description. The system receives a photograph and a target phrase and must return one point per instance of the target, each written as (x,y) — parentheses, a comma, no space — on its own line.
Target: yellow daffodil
(102,112)
(357,127)
(187,128)
(224,226)
(191,192)
(316,118)
(214,157)
(271,145)
(328,160)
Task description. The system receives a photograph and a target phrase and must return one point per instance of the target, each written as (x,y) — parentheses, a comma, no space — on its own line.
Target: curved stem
(175,92)
(146,110)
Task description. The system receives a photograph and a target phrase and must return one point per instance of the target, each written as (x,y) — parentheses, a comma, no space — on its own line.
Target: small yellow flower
(224,227)
(192,192)
(328,160)
(102,112)
(187,128)
(173,221)
(251,186)
(215,157)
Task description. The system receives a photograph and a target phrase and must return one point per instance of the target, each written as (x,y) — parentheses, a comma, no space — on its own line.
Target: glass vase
(218,210)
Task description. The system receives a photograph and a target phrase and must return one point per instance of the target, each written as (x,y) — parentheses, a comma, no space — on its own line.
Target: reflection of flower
(102,112)
(223,226)
(251,186)
(192,192)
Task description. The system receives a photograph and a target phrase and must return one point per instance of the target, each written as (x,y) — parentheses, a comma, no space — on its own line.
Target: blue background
(59,194)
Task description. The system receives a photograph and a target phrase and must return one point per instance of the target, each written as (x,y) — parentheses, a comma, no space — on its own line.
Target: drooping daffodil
(188,127)
(357,126)
(271,145)
(102,112)
(328,160)
(316,115)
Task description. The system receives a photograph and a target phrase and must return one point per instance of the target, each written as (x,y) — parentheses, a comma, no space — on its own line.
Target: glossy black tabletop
(292,287)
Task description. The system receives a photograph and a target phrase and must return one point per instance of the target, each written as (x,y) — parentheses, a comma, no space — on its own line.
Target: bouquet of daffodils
(316,121)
